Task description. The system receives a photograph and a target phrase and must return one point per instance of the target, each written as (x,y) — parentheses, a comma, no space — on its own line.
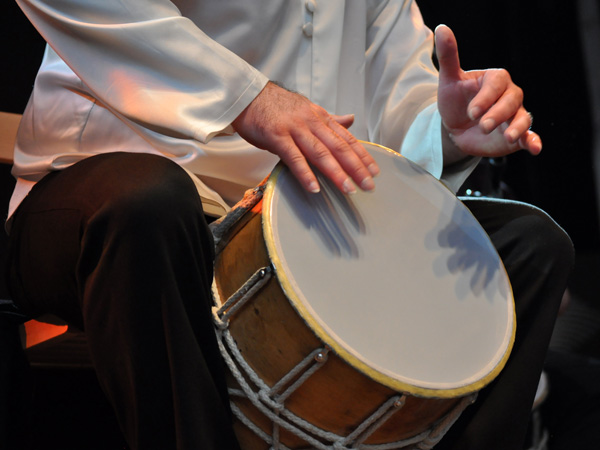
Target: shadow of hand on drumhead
(465,253)
(332,217)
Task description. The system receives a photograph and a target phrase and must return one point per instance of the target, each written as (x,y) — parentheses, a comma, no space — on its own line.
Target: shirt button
(311,5)
(307,29)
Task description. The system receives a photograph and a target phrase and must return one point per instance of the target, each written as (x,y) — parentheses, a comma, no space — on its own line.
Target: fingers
(500,101)
(497,100)
(531,142)
(518,126)
(337,154)
(346,120)
(302,133)
(446,51)
(332,156)
(484,107)
(344,160)
(298,165)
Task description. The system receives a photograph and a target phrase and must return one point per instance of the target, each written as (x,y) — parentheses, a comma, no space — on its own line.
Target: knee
(156,193)
(539,240)
(153,209)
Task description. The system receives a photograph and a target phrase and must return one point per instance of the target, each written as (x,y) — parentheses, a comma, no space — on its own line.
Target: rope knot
(219,324)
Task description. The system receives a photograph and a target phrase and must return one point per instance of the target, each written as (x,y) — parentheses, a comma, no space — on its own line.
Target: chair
(9,123)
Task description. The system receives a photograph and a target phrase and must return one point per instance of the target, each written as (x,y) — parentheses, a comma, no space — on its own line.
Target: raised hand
(482,110)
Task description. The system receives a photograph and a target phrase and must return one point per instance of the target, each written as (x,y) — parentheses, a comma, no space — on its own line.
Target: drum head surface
(403,283)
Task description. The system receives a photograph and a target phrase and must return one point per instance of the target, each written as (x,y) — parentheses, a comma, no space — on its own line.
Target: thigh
(45,243)
(532,246)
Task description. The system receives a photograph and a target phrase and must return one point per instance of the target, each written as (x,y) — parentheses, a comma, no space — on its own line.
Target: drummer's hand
(300,132)
(482,110)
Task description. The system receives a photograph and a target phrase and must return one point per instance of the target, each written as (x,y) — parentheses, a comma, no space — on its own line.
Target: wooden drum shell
(383,314)
(273,339)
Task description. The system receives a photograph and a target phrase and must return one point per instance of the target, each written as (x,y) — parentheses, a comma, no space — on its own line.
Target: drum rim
(339,349)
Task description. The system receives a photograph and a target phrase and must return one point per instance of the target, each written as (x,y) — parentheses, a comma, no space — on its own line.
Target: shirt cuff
(423,145)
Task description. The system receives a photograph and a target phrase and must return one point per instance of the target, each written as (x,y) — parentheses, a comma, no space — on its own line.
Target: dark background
(539,43)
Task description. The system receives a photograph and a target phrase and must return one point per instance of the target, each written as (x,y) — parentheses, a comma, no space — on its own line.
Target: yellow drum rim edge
(347,356)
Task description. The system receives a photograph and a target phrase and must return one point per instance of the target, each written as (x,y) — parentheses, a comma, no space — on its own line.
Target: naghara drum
(367,321)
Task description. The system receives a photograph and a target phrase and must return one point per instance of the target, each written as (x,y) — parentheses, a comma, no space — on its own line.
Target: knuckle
(519,93)
(503,74)
(349,138)
(513,104)
(515,92)
(294,158)
(319,110)
(498,79)
(347,157)
(320,154)
(340,147)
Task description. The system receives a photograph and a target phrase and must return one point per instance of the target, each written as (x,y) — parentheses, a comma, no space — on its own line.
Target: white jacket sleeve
(148,63)
(402,84)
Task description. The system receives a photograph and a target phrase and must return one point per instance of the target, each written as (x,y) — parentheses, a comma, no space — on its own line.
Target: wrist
(451,151)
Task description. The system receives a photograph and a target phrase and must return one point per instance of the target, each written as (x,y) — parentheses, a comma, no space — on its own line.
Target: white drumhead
(402,283)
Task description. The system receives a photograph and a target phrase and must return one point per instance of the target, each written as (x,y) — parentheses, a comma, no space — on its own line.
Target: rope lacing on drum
(222,314)
(283,418)
(373,422)
(270,402)
(260,398)
(438,432)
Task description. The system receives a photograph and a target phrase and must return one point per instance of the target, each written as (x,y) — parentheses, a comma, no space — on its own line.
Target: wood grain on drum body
(273,339)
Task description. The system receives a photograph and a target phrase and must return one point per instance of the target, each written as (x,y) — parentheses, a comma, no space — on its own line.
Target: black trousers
(118,245)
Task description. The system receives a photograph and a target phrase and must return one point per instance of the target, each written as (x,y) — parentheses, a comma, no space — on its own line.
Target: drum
(367,321)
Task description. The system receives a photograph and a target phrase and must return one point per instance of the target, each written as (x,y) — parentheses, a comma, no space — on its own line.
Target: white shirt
(168,78)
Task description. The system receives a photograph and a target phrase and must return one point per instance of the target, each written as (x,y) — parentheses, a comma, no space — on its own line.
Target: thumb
(346,120)
(446,51)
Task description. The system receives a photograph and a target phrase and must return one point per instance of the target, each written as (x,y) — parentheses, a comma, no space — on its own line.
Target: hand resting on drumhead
(302,133)
(482,110)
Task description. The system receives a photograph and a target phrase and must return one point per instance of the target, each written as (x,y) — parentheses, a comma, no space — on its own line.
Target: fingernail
(474,113)
(538,143)
(367,184)
(373,169)
(313,187)
(348,187)
(513,136)
(488,125)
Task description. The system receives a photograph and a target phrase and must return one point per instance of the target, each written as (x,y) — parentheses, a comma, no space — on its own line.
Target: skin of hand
(482,110)
(301,133)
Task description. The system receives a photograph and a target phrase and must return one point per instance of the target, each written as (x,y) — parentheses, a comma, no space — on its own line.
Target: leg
(118,245)
(538,257)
